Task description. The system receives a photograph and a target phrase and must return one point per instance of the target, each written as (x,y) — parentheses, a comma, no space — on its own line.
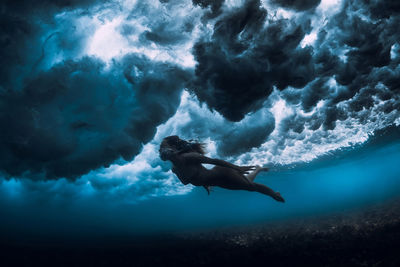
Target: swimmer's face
(169,146)
(166,151)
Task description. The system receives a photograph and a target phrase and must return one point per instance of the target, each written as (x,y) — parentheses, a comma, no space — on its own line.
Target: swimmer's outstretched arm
(196,157)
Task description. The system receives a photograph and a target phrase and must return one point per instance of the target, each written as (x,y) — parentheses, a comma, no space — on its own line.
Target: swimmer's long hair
(183,145)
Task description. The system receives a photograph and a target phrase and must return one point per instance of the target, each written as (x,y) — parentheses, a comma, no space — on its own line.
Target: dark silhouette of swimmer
(187,159)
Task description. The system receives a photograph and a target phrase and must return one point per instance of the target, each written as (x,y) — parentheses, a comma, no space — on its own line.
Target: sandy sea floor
(367,237)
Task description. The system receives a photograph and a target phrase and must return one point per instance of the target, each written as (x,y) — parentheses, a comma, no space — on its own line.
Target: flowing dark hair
(183,145)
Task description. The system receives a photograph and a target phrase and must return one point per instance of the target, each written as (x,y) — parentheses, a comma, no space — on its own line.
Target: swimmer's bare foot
(278,197)
(264,169)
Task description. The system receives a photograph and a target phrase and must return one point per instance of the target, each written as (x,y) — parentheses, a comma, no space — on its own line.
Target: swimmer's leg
(263,189)
(251,176)
(231,179)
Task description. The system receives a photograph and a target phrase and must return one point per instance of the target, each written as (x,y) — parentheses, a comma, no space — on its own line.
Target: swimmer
(187,159)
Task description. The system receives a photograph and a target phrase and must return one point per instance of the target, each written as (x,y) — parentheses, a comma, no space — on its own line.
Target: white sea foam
(278,149)
(108,42)
(146,176)
(311,144)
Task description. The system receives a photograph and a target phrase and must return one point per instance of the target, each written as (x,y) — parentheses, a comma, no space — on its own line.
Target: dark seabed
(367,237)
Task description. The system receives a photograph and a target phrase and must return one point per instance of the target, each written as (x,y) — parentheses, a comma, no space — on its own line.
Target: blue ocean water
(345,180)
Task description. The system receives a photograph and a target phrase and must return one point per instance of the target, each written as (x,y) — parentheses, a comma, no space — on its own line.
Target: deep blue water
(346,180)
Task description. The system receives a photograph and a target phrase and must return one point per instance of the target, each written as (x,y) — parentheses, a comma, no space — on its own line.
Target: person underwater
(187,159)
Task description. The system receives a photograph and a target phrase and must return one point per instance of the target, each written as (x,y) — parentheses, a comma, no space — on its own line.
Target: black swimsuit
(193,179)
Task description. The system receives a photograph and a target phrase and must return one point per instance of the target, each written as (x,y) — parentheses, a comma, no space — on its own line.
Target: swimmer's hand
(208,188)
(245,169)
